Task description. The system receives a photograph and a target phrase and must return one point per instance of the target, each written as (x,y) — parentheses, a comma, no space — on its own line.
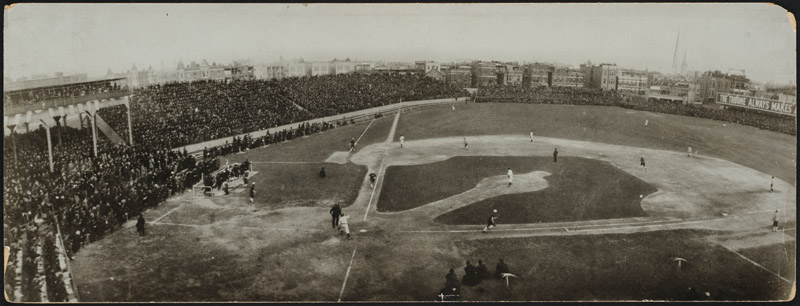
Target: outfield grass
(578,189)
(318,147)
(766,151)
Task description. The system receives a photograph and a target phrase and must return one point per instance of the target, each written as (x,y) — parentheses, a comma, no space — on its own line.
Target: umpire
(335,212)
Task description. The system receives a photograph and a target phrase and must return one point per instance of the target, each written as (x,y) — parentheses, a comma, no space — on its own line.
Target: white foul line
(245,227)
(169,212)
(574,228)
(376,184)
(285,162)
(757,265)
(346,275)
(365,131)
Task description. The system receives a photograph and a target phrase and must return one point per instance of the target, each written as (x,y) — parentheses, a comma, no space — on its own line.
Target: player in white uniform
(344,225)
(690,152)
(531,136)
(510,177)
(402,138)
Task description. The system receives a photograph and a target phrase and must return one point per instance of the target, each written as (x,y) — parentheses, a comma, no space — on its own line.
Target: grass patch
(578,189)
(317,147)
(778,258)
(282,185)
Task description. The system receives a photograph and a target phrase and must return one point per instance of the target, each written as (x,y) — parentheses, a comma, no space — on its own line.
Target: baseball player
(466,145)
(454,108)
(352,144)
(490,223)
(343,224)
(772,184)
(402,138)
(641,162)
(531,136)
(510,177)
(690,152)
(775,221)
(555,155)
(372,178)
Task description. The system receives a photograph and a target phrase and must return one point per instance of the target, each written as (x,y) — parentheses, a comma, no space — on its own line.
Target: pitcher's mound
(338,157)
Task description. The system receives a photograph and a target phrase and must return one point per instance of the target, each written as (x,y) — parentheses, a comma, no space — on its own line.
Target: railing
(13,109)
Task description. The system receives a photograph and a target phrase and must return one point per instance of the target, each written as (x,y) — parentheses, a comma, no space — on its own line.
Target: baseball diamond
(399,152)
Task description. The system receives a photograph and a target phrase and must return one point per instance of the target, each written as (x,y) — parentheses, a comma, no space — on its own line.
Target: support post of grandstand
(130,128)
(49,144)
(14,141)
(93,126)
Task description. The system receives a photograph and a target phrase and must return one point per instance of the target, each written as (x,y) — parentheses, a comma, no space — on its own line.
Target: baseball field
(593,226)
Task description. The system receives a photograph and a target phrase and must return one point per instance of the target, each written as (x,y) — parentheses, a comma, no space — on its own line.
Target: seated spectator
(500,268)
(483,271)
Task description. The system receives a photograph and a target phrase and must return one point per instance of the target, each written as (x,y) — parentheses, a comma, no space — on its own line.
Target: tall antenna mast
(675,55)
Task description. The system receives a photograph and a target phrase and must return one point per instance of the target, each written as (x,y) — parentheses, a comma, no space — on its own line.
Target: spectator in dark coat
(500,268)
(140,225)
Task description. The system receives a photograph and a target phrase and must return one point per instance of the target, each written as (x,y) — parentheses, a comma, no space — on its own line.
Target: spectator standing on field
(252,192)
(555,155)
(140,225)
(335,211)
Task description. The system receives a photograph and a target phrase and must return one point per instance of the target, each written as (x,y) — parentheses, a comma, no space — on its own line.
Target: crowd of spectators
(335,94)
(88,196)
(580,96)
(185,113)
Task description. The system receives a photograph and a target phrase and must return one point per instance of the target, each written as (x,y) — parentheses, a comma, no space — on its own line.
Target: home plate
(362,231)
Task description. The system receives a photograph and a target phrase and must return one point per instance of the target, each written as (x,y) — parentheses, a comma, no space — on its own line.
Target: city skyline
(91,38)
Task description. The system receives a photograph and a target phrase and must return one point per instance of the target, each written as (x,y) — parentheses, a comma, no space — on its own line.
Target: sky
(90,38)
